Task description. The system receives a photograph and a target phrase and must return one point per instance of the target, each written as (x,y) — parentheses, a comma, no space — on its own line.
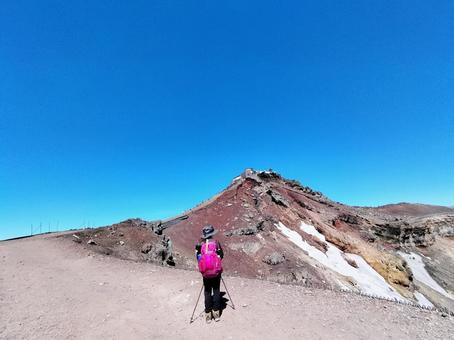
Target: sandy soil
(52,289)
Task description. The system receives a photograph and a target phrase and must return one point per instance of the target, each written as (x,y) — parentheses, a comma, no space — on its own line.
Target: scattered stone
(351,262)
(76,239)
(122,243)
(274,258)
(92,242)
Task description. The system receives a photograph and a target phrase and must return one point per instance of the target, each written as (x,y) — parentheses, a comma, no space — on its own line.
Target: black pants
(212,293)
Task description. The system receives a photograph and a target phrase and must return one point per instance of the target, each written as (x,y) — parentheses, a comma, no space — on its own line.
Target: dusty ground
(52,289)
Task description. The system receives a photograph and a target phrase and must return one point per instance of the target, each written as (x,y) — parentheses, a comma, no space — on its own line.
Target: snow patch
(368,280)
(420,273)
(310,230)
(422,300)
(298,240)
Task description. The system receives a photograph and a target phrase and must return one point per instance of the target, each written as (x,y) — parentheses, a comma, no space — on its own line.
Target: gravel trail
(51,288)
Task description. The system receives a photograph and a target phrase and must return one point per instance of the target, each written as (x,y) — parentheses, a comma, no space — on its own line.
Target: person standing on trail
(209,255)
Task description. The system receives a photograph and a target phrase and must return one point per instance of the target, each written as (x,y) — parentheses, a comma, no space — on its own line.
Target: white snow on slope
(368,280)
(420,273)
(310,230)
(422,300)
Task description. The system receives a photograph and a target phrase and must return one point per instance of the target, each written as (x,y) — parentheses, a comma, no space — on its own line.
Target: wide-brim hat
(208,231)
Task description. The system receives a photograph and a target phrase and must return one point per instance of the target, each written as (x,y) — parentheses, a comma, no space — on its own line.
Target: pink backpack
(210,264)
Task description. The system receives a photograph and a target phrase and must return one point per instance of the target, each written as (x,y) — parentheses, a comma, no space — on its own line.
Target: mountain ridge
(280,230)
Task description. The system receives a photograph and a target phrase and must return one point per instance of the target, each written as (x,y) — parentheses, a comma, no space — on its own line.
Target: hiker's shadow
(224,302)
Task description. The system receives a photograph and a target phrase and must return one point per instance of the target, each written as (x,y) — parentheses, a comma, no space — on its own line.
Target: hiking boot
(208,317)
(216,315)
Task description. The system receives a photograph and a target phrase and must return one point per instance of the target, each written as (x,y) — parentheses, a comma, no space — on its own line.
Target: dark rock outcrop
(405,234)
(161,252)
(348,218)
(278,198)
(250,230)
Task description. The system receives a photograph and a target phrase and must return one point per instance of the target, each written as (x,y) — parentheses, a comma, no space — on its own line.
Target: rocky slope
(277,229)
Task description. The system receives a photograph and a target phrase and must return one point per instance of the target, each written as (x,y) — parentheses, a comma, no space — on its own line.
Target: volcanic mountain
(277,229)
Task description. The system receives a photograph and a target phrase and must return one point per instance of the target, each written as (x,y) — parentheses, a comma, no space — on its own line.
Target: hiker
(209,255)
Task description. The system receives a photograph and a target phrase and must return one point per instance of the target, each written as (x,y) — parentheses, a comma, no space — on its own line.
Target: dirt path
(50,289)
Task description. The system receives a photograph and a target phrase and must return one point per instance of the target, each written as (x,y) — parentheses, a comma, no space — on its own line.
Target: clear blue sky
(117,109)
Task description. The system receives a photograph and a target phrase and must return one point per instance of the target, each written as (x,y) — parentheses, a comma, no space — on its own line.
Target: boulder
(274,258)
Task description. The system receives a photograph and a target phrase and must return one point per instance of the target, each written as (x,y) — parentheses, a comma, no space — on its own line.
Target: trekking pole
(233,306)
(196,304)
